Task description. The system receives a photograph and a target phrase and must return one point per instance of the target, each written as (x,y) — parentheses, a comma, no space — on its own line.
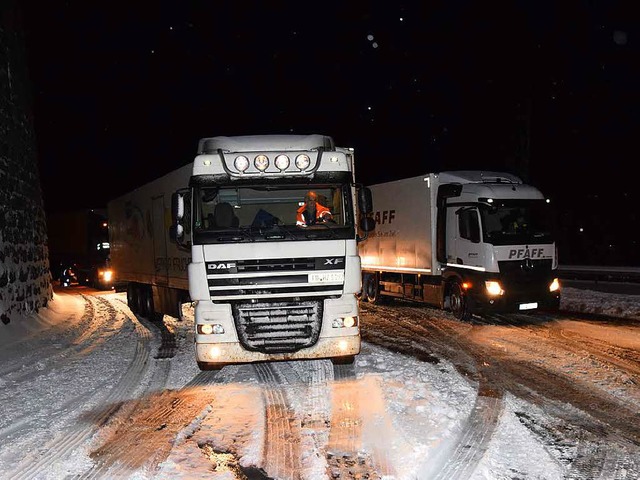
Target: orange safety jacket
(321,211)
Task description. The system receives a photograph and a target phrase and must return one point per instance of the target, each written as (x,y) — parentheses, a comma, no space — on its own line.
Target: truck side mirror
(365,201)
(177,229)
(177,207)
(367,224)
(365,205)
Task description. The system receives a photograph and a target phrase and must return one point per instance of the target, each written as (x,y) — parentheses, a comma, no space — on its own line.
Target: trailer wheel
(132,297)
(371,289)
(147,309)
(180,301)
(458,302)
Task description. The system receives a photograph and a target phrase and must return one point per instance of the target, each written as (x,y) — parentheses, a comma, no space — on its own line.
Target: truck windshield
(255,208)
(513,222)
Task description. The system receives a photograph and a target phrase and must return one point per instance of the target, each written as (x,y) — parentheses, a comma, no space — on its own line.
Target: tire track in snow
(74,437)
(282,428)
(458,458)
(63,358)
(153,423)
(54,351)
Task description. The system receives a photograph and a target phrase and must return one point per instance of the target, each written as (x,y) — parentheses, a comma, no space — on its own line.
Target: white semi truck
(465,241)
(225,233)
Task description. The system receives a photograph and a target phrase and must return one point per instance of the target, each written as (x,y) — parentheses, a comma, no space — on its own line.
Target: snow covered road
(89,390)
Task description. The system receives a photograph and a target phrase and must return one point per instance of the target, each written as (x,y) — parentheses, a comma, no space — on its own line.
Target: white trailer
(467,241)
(265,286)
(143,258)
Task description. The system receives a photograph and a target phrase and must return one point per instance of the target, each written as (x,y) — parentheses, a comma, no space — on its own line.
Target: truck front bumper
(514,303)
(214,354)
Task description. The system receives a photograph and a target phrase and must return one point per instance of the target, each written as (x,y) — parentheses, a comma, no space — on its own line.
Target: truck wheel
(371,290)
(345,360)
(132,297)
(205,366)
(458,302)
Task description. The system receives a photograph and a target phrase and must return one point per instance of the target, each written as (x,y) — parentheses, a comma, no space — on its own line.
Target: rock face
(25,278)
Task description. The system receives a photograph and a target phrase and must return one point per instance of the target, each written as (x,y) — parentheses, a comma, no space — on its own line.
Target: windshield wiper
(316,234)
(276,232)
(235,234)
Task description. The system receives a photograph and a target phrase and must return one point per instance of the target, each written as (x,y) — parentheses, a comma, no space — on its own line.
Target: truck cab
(271,279)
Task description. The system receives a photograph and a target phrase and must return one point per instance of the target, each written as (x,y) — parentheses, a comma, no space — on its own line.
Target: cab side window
(468,225)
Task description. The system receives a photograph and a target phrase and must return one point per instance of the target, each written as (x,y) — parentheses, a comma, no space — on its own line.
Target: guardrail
(600,273)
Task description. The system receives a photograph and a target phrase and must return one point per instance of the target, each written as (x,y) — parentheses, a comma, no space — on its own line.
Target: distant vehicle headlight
(555,285)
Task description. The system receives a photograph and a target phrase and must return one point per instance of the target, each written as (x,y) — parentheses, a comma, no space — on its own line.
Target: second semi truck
(260,233)
(466,241)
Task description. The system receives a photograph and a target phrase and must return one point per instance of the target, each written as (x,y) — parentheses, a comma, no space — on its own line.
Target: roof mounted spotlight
(303,161)
(241,163)
(282,162)
(261,162)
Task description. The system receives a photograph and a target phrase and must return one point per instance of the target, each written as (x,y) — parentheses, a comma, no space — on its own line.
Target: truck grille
(278,327)
(525,267)
(519,277)
(275,279)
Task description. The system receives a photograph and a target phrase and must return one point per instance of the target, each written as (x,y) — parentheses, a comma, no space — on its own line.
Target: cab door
(466,248)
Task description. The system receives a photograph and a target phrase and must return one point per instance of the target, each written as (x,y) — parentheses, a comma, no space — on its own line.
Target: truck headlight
(554,286)
(346,322)
(107,275)
(209,328)
(493,288)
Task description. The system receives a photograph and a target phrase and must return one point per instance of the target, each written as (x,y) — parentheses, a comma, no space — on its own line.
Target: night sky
(549,90)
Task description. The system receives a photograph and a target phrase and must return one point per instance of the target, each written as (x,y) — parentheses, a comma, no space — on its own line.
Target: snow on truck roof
(478,176)
(254,143)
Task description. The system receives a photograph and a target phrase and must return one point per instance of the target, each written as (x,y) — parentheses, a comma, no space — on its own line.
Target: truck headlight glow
(241,163)
(107,275)
(346,322)
(555,285)
(282,162)
(493,288)
(261,162)
(209,328)
(303,161)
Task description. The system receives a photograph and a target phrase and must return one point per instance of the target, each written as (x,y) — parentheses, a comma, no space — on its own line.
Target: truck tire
(205,366)
(458,302)
(147,300)
(345,360)
(132,297)
(371,289)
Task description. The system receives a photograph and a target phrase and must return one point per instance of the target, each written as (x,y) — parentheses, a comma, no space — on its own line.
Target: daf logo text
(221,266)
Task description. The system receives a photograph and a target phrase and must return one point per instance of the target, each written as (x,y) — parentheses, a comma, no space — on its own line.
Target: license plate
(528,306)
(326,277)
